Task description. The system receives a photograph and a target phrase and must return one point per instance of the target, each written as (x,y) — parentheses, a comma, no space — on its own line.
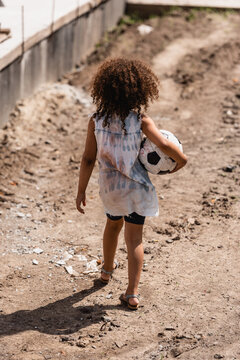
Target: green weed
(130,19)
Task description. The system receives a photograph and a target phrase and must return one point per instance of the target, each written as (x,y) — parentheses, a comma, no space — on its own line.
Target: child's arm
(170,149)
(87,165)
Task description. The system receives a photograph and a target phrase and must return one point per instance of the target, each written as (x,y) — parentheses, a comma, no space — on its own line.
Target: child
(121,88)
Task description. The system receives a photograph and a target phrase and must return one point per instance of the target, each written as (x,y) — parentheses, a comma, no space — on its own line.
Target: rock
(109,296)
(218,356)
(71,271)
(35,262)
(169,328)
(191,221)
(119,344)
(144,29)
(64,338)
(60,262)
(228,168)
(81,257)
(91,267)
(115,324)
(177,237)
(175,352)
(66,256)
(147,250)
(20,215)
(106,318)
(38,251)
(29,172)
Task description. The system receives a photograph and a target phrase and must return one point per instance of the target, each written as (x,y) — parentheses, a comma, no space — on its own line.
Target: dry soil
(190,282)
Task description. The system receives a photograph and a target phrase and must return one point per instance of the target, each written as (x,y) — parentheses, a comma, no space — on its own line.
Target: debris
(66,256)
(145,29)
(147,250)
(22,206)
(38,251)
(81,257)
(105,318)
(35,262)
(91,267)
(109,296)
(169,241)
(169,328)
(71,271)
(175,352)
(119,344)
(13,183)
(60,262)
(82,343)
(191,221)
(228,168)
(29,172)
(218,356)
(20,215)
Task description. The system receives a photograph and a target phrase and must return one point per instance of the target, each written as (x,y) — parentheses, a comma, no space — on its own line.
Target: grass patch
(131,19)
(192,12)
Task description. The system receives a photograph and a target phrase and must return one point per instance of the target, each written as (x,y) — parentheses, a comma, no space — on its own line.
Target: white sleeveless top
(124,184)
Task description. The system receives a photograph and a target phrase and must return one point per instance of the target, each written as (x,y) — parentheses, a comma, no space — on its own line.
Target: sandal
(125,299)
(106,281)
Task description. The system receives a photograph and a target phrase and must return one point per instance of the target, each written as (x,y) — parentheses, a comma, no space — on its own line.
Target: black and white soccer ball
(153,159)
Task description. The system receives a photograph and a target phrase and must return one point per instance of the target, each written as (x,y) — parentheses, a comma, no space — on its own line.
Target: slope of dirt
(190,281)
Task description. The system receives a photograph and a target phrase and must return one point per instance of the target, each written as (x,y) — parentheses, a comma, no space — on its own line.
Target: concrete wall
(50,58)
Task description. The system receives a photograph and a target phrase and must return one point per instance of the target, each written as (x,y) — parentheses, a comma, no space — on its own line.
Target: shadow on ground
(57,318)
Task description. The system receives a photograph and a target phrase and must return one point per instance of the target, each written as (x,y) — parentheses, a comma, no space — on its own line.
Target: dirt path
(190,283)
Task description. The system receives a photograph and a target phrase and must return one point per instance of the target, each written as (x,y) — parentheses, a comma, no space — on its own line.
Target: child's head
(121,85)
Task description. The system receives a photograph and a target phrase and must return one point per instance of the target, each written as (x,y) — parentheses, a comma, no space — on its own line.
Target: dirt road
(190,284)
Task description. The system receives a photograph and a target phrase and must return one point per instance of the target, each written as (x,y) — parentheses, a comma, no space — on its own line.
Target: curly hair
(122,85)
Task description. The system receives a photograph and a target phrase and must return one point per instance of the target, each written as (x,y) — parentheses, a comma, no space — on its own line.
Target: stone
(145,29)
(106,318)
(38,251)
(71,271)
(218,356)
(20,215)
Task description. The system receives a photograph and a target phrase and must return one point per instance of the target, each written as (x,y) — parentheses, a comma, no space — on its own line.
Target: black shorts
(133,218)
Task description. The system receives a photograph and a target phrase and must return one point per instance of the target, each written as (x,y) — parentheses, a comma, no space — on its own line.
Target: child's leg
(133,238)
(110,241)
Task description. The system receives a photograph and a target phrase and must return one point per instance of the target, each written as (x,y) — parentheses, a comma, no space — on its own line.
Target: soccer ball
(153,159)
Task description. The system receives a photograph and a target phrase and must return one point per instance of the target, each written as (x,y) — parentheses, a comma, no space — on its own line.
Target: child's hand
(81,199)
